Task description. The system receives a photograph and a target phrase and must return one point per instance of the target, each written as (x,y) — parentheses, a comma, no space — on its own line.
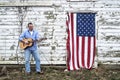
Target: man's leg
(27,61)
(37,59)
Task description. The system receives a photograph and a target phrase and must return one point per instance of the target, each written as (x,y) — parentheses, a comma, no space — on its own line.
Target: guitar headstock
(42,39)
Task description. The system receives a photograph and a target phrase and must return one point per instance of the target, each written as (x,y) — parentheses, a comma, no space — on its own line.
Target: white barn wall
(46,22)
(50,21)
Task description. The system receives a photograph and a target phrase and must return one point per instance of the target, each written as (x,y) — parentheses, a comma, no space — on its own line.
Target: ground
(59,73)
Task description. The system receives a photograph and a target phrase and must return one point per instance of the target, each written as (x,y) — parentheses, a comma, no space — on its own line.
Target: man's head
(30,26)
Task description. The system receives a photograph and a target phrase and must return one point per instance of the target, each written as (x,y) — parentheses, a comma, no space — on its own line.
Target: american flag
(81,40)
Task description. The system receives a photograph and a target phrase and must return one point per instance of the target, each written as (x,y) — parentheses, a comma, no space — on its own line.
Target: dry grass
(57,73)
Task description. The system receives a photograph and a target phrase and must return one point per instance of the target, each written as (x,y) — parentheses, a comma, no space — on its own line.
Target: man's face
(30,26)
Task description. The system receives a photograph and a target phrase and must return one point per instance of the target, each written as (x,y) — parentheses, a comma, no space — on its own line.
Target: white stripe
(71,66)
(91,51)
(86,52)
(75,43)
(80,51)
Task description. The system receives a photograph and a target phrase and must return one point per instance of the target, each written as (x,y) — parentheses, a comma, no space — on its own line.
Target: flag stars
(86,24)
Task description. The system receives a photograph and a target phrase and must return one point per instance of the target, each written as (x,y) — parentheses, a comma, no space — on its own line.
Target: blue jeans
(36,56)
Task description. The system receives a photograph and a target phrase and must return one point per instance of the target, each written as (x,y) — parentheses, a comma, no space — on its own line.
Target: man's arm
(22,36)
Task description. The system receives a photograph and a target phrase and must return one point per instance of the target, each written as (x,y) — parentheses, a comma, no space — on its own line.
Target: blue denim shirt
(34,36)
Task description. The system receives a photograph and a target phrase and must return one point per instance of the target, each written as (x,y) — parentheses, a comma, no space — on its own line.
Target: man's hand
(24,41)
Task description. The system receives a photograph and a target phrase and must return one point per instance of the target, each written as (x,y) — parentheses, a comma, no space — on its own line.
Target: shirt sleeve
(22,36)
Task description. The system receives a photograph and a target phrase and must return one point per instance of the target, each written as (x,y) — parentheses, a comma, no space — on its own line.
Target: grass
(57,73)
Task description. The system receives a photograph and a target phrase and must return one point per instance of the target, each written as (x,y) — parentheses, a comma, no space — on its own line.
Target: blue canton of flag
(85,24)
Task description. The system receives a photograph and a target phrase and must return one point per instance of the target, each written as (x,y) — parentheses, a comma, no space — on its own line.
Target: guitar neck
(40,39)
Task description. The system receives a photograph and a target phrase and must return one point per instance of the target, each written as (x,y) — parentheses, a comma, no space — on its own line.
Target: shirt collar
(32,30)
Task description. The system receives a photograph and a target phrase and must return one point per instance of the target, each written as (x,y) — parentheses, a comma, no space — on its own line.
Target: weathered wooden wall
(49,18)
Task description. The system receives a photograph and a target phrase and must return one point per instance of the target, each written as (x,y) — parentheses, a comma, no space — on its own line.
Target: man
(33,34)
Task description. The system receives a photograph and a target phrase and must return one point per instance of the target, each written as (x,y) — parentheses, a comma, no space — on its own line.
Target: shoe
(40,72)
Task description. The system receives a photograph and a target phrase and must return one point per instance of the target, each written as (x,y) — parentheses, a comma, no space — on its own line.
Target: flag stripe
(92,52)
(89,44)
(68,42)
(93,57)
(83,46)
(86,51)
(77,49)
(75,52)
(71,68)
(72,27)
(80,51)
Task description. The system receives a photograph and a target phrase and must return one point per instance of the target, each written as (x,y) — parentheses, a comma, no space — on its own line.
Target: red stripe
(68,50)
(94,46)
(77,44)
(72,27)
(89,48)
(68,44)
(83,47)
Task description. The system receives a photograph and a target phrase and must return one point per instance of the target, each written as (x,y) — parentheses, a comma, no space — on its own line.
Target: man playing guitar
(30,38)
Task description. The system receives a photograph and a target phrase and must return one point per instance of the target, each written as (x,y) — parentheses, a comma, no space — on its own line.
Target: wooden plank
(9,16)
(81,0)
(58,62)
(109,27)
(114,59)
(108,30)
(42,62)
(110,44)
(39,3)
(9,27)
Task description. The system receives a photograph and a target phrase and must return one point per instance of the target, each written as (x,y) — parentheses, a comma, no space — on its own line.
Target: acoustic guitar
(30,41)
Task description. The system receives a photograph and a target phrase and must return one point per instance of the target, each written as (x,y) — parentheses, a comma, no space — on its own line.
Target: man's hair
(29,24)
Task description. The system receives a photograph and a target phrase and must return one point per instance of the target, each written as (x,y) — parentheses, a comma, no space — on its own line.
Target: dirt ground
(58,73)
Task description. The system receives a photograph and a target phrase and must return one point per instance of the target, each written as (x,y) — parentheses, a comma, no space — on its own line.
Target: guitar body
(29,44)
(23,45)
